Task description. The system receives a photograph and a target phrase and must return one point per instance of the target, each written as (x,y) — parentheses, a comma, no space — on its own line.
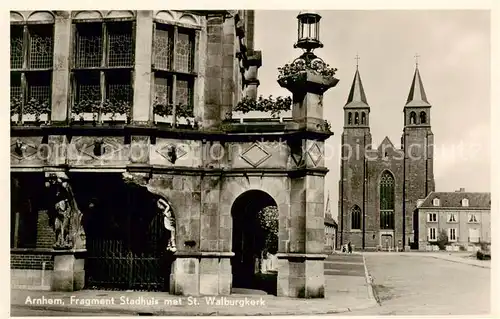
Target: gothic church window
(387,201)
(356,217)
(363,118)
(349,118)
(173,65)
(356,118)
(31,60)
(423,118)
(413,117)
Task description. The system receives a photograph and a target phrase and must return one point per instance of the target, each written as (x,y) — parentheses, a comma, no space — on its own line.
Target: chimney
(461,190)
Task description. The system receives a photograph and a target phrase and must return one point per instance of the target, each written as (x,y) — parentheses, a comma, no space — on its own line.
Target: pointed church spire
(357,97)
(417,95)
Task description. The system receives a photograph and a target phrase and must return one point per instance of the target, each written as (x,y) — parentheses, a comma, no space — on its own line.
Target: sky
(454,62)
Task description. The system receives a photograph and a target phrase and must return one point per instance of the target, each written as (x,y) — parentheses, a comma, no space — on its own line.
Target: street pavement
(428,284)
(346,289)
(27,312)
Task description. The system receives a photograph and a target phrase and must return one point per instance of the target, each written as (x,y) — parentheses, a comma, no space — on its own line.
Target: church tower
(356,139)
(418,141)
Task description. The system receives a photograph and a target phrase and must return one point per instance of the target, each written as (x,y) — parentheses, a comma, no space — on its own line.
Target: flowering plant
(15,105)
(116,107)
(300,65)
(166,109)
(275,106)
(86,106)
(36,108)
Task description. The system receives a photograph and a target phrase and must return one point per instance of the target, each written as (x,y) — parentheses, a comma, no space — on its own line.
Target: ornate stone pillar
(301,271)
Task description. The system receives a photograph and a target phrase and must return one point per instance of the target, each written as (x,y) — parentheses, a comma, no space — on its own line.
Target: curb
(369,283)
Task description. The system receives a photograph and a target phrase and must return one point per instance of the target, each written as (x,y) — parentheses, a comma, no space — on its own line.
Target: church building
(379,187)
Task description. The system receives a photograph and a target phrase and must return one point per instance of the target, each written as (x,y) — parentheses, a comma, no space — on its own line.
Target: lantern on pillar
(308,31)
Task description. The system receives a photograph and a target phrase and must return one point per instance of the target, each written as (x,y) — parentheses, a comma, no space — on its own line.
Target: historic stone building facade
(379,187)
(127,169)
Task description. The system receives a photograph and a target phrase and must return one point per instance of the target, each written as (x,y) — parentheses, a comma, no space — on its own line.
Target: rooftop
(454,199)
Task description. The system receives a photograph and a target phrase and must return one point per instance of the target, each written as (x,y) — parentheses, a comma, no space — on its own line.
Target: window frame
(432,220)
(436,202)
(465,202)
(449,218)
(430,232)
(104,68)
(173,74)
(27,71)
(472,218)
(455,237)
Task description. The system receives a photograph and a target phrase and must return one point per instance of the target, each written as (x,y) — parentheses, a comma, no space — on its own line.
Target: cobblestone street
(417,284)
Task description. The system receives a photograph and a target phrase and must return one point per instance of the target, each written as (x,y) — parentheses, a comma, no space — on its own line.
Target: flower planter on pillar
(308,87)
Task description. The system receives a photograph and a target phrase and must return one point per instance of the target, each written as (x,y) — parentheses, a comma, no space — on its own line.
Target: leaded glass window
(87,91)
(356,217)
(173,65)
(184,92)
(387,201)
(88,46)
(41,47)
(163,43)
(15,86)
(120,44)
(31,61)
(162,90)
(184,53)
(16,47)
(118,86)
(110,47)
(39,87)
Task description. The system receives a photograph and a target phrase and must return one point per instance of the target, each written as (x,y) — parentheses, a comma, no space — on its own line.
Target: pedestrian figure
(349,247)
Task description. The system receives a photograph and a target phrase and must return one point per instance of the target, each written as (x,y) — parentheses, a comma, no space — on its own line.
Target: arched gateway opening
(254,240)
(125,235)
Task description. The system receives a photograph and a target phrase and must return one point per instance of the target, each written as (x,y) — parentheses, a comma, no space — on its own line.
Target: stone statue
(168,222)
(61,224)
(66,215)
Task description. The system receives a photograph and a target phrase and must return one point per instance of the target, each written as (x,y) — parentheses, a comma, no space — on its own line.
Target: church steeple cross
(357,60)
(416,59)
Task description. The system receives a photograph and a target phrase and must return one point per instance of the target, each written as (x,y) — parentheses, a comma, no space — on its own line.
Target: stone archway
(248,240)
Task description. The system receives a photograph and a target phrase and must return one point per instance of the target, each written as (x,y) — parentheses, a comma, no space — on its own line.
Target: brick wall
(45,234)
(30,260)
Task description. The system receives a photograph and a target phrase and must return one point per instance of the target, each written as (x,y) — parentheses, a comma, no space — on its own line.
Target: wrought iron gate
(126,248)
